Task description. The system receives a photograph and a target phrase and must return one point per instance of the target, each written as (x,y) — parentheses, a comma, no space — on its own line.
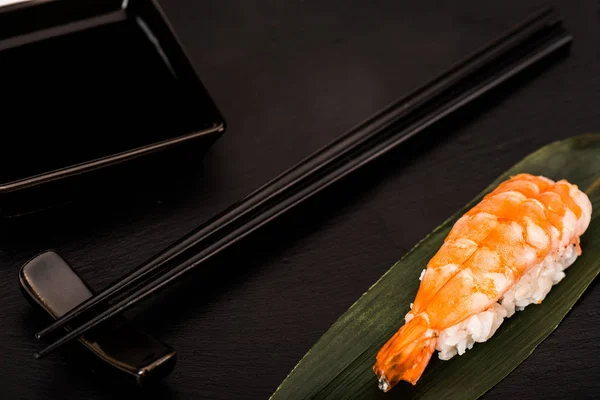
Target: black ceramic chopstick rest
(50,284)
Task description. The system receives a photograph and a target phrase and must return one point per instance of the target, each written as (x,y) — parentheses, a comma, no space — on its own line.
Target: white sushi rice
(531,288)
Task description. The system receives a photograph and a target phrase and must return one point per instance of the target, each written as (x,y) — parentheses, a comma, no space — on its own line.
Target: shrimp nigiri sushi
(502,255)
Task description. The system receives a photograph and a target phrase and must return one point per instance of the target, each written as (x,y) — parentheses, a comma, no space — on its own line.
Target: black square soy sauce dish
(96,94)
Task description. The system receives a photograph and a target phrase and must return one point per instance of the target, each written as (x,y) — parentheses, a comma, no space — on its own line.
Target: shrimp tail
(407,353)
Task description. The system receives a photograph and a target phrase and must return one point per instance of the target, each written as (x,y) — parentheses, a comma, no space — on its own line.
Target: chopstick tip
(44,332)
(44,352)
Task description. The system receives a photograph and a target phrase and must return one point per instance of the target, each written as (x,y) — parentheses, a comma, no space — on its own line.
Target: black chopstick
(523,46)
(325,158)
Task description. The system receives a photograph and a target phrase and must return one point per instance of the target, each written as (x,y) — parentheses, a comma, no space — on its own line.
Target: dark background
(289,77)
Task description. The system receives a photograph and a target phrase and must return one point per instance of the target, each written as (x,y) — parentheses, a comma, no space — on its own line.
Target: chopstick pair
(528,43)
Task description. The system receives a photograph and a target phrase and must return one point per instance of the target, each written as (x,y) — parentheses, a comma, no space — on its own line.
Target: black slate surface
(289,77)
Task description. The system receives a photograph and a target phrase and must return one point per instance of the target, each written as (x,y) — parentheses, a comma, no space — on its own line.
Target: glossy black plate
(88,85)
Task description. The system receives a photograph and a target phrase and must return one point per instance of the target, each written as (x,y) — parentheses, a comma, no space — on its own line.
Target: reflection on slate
(49,283)
(117,84)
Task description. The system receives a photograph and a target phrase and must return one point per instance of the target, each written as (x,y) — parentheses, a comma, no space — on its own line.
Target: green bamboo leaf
(339,365)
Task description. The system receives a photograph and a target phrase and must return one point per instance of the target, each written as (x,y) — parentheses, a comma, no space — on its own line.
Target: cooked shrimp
(527,222)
